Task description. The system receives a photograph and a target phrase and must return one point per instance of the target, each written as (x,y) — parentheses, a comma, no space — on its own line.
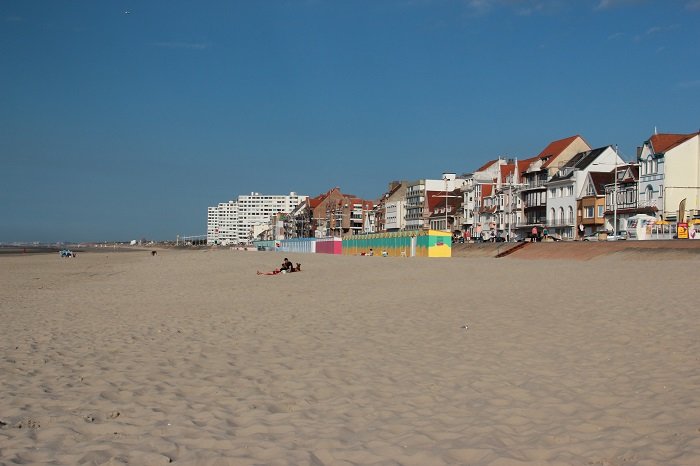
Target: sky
(124,120)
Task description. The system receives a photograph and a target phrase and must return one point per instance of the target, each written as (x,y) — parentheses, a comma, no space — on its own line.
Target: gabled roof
(487,165)
(554,149)
(316,201)
(486,190)
(627,173)
(661,143)
(600,179)
(506,169)
(579,161)
(436,202)
(525,163)
(437,199)
(633,170)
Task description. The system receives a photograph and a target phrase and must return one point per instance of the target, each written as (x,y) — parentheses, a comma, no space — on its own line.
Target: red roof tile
(487,165)
(555,148)
(664,142)
(506,170)
(437,198)
(524,164)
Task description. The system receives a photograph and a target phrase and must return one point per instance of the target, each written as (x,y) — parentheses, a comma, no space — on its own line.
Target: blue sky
(119,126)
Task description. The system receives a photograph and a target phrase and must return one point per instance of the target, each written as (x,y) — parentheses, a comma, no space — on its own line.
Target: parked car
(619,236)
(591,237)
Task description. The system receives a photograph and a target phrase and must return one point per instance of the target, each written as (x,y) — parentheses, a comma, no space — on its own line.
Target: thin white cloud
(689,84)
(607,4)
(693,5)
(660,29)
(13,19)
(616,35)
(184,45)
(520,7)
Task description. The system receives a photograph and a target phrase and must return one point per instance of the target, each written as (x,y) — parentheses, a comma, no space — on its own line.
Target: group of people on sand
(287,267)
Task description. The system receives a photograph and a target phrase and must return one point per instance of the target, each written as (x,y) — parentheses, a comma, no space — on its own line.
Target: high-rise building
(233,222)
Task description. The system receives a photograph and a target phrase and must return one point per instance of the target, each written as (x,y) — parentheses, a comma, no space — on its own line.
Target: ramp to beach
(483,249)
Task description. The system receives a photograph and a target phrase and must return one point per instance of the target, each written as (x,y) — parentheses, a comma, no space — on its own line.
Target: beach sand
(190,357)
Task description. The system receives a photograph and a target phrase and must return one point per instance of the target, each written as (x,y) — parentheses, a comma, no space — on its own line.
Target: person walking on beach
(533,235)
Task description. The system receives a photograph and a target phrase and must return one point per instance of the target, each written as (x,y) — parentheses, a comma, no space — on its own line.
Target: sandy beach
(191,358)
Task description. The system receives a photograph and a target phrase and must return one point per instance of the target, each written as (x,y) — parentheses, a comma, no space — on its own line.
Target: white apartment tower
(233,222)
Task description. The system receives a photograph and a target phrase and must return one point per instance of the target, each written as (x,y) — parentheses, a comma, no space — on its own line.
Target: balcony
(534,184)
(560,223)
(531,222)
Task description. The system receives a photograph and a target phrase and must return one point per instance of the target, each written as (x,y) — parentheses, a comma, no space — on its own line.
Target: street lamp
(615,197)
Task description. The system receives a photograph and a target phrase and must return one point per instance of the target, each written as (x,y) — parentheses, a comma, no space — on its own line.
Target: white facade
(651,179)
(221,223)
(394,217)
(234,222)
(665,179)
(416,215)
(563,193)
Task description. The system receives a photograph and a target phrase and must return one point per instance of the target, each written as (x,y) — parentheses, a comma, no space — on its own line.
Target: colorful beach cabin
(431,243)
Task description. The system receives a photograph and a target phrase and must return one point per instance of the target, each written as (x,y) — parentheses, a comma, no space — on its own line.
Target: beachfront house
(300,221)
(477,187)
(567,185)
(622,196)
(540,170)
(591,205)
(338,214)
(669,172)
(417,194)
(390,210)
(500,203)
(444,210)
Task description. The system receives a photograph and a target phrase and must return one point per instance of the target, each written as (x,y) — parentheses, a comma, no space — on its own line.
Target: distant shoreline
(19,250)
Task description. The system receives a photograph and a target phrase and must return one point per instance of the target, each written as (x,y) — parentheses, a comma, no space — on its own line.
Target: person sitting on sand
(287,265)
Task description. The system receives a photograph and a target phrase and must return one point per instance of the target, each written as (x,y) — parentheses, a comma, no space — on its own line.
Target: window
(569,190)
(588,212)
(571,214)
(600,211)
(561,215)
(561,192)
(649,193)
(590,190)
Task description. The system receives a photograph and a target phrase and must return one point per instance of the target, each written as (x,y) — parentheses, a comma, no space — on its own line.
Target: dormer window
(590,190)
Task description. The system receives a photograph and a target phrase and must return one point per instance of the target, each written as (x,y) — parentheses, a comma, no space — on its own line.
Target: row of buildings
(568,188)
